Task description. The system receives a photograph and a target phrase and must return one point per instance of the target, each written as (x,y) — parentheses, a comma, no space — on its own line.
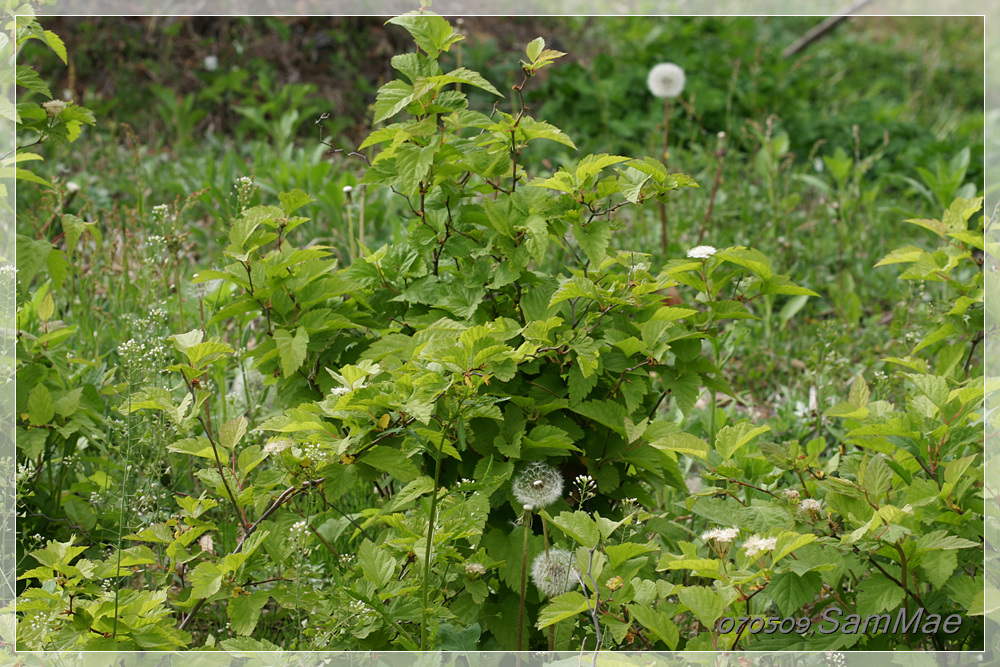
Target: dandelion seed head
(554,573)
(666,80)
(538,485)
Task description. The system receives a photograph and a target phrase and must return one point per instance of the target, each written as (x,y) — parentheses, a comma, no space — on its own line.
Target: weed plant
(244,423)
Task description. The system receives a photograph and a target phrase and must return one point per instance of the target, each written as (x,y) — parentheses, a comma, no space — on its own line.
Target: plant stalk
(526,521)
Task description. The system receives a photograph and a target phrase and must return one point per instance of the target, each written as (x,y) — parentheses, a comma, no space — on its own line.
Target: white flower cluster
(538,485)
(834,659)
(756,544)
(155,247)
(791,495)
(7,274)
(555,573)
(724,535)
(159,213)
(361,610)
(475,569)
(701,252)
(299,532)
(585,487)
(244,191)
(276,447)
(53,108)
(809,505)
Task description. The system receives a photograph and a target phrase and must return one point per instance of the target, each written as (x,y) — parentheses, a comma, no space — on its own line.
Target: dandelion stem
(438,455)
(526,524)
(545,533)
(666,135)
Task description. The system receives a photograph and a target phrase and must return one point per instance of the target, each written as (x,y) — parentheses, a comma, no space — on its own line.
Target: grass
(825,216)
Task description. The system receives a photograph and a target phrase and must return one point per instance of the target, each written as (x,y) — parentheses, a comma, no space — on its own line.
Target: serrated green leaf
(592,165)
(414,162)
(940,539)
(683,443)
(41,409)
(706,604)
(418,487)
(548,437)
(750,259)
(561,607)
(606,412)
(594,239)
(415,65)
(294,200)
(204,353)
(56,44)
(28,78)
(878,594)
(619,553)
(579,526)
(199,446)
(875,477)
(244,611)
(792,592)
(206,579)
(431,32)
(452,640)
(232,432)
(860,393)
(658,623)
(938,566)
(391,461)
(531,129)
(534,48)
(379,567)
(392,97)
(291,349)
(731,439)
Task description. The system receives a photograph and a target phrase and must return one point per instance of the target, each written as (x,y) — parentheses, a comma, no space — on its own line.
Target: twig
(822,29)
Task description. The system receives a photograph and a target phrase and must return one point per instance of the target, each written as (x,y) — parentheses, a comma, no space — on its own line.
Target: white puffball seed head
(666,80)
(538,485)
(555,573)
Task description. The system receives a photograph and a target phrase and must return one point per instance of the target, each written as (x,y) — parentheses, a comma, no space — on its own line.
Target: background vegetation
(815,160)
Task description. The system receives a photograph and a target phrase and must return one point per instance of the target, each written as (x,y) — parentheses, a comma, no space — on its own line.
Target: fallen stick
(822,29)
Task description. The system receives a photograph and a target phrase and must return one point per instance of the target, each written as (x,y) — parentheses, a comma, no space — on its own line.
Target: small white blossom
(791,495)
(348,190)
(755,544)
(666,80)
(554,573)
(723,535)
(539,485)
(810,505)
(701,252)
(475,569)
(211,63)
(276,446)
(54,107)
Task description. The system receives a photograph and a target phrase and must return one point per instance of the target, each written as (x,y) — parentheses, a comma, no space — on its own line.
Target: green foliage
(433,396)
(55,121)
